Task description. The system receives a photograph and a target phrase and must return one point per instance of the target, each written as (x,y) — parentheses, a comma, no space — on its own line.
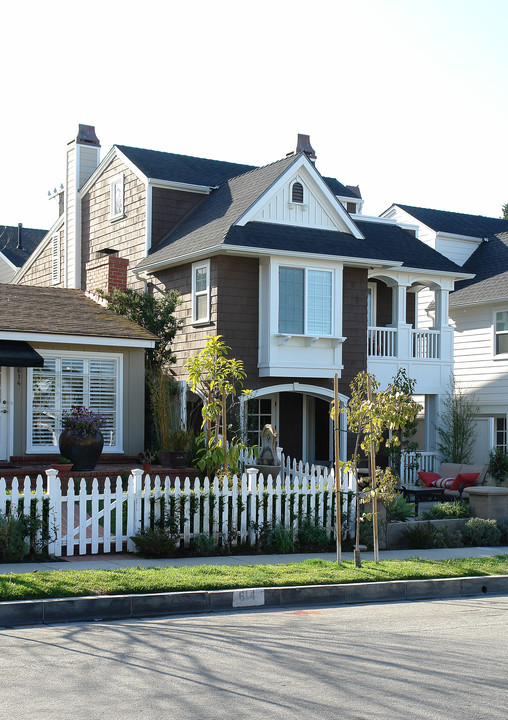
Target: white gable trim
(8,262)
(342,218)
(38,250)
(76,339)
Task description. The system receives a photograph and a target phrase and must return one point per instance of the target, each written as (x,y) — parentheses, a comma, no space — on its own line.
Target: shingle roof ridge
(449,212)
(24,227)
(182,155)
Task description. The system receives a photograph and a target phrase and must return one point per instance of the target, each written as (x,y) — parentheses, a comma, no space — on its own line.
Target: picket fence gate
(83,519)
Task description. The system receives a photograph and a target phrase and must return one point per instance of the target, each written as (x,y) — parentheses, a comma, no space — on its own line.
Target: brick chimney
(107,272)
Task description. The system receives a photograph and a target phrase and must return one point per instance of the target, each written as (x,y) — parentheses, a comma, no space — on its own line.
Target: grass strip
(75,583)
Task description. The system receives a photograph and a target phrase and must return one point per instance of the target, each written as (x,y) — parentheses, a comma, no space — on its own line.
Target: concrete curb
(36,612)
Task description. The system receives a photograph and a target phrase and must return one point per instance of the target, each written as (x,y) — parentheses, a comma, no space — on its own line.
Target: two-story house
(278,260)
(478,309)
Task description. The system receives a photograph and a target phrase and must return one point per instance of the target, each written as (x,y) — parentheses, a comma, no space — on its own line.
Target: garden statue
(268,447)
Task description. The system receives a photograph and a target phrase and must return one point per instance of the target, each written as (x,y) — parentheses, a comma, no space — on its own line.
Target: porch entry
(301,417)
(4,412)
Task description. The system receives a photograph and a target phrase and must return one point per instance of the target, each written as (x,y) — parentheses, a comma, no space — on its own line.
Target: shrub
(399,509)
(13,546)
(419,537)
(280,539)
(160,541)
(479,531)
(447,510)
(203,544)
(312,537)
(503,527)
(498,465)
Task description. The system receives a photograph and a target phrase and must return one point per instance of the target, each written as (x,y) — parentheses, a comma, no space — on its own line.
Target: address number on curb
(248,598)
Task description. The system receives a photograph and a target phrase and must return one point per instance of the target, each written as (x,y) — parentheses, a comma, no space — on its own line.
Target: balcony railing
(425,344)
(385,342)
(381,342)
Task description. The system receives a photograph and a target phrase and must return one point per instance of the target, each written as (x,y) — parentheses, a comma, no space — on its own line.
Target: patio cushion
(427,477)
(465,479)
(443,482)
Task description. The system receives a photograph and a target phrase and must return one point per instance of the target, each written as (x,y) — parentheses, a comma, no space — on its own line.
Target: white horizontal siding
(476,368)
(88,162)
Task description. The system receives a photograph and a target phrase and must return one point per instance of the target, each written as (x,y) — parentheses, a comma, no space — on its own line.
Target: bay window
(67,379)
(305,301)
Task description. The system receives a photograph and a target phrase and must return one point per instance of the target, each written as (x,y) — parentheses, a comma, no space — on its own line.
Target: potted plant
(175,452)
(81,439)
(63,464)
(146,458)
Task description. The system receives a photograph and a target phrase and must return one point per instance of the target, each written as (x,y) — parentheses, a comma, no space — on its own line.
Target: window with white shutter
(73,379)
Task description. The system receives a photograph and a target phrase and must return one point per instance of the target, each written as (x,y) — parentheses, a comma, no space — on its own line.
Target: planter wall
(392,534)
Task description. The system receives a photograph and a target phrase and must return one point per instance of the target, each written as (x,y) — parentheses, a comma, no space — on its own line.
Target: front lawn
(72,583)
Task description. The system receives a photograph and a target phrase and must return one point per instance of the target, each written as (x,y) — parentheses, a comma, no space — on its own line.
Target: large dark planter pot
(84,452)
(178,458)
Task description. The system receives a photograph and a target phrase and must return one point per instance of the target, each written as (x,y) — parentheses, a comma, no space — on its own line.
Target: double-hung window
(68,379)
(201,292)
(502,332)
(305,301)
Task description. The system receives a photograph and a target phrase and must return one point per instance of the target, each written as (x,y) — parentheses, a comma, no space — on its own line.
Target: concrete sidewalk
(114,607)
(114,561)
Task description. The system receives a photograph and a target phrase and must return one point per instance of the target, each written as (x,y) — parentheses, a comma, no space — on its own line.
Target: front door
(4,413)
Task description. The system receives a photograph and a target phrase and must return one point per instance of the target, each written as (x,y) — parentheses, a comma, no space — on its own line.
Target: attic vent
(297,193)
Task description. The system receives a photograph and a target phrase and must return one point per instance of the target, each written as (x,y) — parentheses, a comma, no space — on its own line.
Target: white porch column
(441,323)
(399,296)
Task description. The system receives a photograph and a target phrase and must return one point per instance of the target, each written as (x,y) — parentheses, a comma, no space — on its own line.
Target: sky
(405,98)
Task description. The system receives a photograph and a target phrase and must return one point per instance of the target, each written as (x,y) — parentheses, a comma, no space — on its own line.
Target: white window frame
(496,333)
(55,259)
(117,181)
(306,269)
(200,293)
(118,357)
(503,430)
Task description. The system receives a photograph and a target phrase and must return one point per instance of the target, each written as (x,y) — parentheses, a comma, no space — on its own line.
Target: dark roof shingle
(457,223)
(489,262)
(30,238)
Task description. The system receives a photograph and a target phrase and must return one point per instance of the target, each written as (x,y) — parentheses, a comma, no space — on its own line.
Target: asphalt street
(434,659)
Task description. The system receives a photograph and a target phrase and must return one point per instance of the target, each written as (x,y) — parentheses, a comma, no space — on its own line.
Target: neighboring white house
(478,310)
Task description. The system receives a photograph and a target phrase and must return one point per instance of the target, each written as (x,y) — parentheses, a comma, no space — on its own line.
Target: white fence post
(54,492)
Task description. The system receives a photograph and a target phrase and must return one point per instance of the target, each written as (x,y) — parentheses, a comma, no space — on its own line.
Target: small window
(116,197)
(305,301)
(297,193)
(55,259)
(201,292)
(501,433)
(502,332)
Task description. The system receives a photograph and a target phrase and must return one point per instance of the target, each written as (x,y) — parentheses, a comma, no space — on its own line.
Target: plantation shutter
(72,380)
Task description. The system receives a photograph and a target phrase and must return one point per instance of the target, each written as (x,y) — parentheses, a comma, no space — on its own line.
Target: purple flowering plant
(82,422)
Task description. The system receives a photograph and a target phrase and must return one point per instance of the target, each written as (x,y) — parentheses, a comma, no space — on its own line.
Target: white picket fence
(412,462)
(92,520)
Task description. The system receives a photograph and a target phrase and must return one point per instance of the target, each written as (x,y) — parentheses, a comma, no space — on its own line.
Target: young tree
(371,414)
(215,377)
(504,210)
(457,425)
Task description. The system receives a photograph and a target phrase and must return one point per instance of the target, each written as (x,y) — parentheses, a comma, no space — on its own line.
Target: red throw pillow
(465,479)
(428,477)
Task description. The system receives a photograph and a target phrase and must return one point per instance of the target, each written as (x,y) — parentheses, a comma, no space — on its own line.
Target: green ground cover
(73,583)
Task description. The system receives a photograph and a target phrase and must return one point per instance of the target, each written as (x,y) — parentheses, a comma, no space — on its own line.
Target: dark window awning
(16,353)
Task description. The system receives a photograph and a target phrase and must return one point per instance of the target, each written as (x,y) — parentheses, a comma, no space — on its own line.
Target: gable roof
(489,262)
(62,311)
(457,223)
(209,224)
(30,238)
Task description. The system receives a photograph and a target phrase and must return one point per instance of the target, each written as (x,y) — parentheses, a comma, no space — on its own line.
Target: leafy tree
(505,211)
(156,314)
(457,425)
(371,414)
